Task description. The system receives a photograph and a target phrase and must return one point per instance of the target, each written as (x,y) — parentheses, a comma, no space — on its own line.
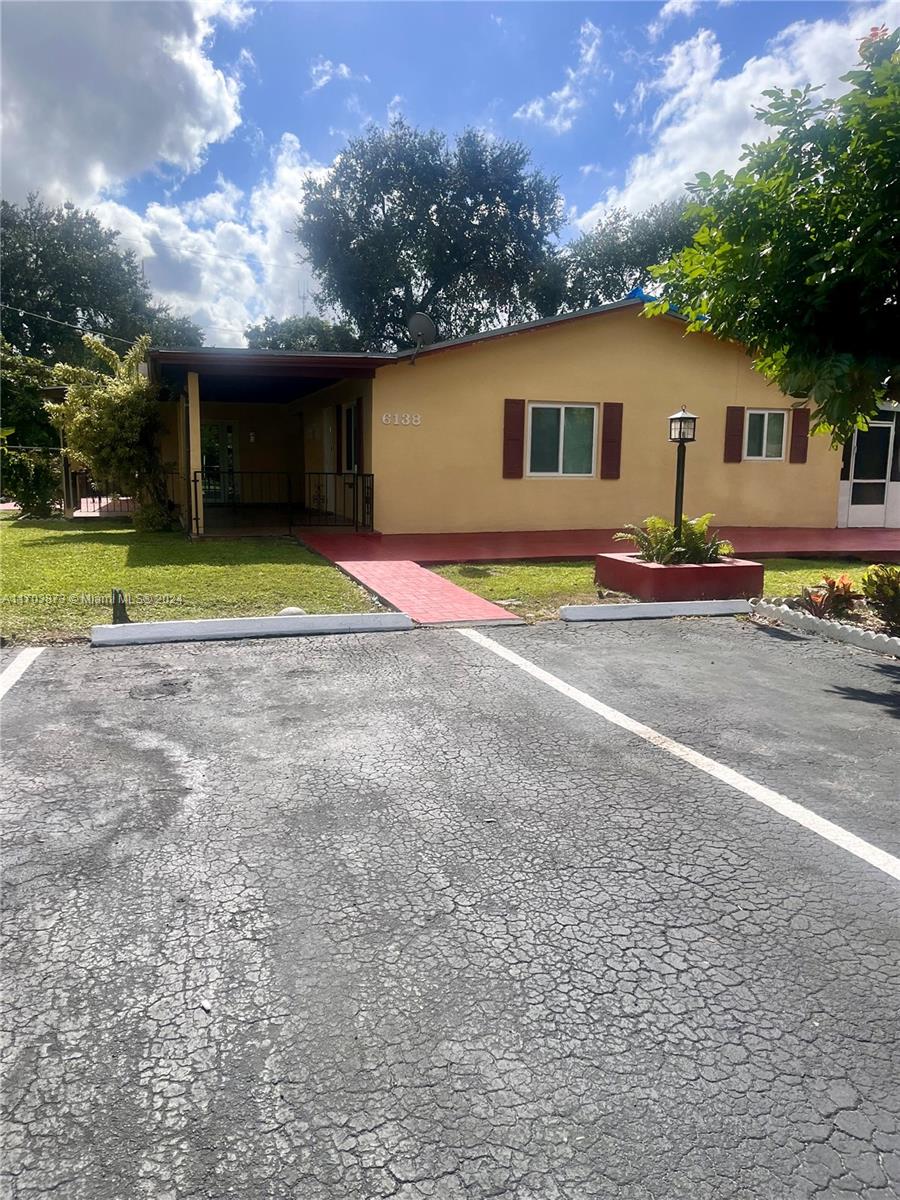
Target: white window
(562,439)
(764,435)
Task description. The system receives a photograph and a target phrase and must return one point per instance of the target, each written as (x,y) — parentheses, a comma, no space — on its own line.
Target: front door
(870,465)
(218,450)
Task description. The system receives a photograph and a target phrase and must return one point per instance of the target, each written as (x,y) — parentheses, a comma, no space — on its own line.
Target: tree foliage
(798,254)
(62,263)
(300,333)
(616,256)
(110,417)
(405,221)
(29,445)
(23,381)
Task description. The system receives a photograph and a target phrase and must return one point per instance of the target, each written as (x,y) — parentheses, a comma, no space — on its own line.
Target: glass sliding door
(218,450)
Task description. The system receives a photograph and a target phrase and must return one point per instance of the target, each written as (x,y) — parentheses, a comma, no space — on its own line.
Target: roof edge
(525,327)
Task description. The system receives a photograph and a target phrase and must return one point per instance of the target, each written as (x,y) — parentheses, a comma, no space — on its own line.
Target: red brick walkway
(388,564)
(582,543)
(426,597)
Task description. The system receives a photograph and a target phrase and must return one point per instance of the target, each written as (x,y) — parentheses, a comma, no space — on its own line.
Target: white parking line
(17,668)
(756,791)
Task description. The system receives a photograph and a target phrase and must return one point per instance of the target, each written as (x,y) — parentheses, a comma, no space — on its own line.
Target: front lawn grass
(52,569)
(540,588)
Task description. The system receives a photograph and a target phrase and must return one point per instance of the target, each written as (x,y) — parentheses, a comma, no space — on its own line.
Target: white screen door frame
(869,479)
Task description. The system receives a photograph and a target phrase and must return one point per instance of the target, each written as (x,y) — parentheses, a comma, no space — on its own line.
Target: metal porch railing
(292,498)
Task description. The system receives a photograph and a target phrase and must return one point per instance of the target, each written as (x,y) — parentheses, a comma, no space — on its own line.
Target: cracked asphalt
(384,916)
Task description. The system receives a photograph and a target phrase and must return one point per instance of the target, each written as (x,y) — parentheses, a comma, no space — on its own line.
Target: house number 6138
(401,419)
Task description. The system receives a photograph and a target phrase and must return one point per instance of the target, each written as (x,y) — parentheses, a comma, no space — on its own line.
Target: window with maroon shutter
(734,433)
(611,441)
(338,434)
(513,439)
(799,435)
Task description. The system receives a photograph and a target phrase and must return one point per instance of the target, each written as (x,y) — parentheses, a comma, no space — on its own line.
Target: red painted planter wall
(730,579)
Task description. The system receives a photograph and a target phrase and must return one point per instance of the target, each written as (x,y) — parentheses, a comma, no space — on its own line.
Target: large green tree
(63,264)
(798,254)
(406,221)
(300,333)
(617,254)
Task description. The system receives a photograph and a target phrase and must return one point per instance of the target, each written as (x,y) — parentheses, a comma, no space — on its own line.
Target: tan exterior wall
(168,442)
(320,423)
(268,435)
(444,474)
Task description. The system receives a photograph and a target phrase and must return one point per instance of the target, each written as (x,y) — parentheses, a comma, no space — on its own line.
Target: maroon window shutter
(611,441)
(338,435)
(799,435)
(513,439)
(734,433)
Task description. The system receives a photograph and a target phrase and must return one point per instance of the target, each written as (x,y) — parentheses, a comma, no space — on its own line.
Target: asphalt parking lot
(388,916)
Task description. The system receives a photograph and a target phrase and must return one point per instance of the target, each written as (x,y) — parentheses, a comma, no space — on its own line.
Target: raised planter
(729,579)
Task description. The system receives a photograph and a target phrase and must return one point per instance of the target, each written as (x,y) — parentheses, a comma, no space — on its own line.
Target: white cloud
(704,118)
(323,71)
(97,93)
(557,112)
(220,205)
(225,260)
(669,11)
(394,108)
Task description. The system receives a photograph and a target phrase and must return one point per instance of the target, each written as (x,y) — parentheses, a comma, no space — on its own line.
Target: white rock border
(865,639)
(660,608)
(145,633)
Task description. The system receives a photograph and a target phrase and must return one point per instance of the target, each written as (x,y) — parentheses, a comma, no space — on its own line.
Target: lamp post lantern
(682,429)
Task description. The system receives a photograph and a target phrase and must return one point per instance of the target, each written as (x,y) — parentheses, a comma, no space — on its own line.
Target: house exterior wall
(319,422)
(268,435)
(442,471)
(168,434)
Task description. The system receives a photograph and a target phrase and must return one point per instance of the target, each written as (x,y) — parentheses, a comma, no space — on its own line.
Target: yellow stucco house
(558,424)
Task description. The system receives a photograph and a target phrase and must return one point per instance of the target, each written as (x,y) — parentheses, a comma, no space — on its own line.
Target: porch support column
(183,496)
(195,460)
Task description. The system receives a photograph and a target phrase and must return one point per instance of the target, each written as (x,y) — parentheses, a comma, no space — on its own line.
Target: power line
(241,258)
(23,312)
(112,337)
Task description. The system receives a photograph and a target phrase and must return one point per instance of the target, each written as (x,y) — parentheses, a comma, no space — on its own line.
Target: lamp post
(682,429)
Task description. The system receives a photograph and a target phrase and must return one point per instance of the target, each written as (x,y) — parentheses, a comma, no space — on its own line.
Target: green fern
(657,541)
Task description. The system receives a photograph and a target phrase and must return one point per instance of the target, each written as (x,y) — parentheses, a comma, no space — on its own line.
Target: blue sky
(197,144)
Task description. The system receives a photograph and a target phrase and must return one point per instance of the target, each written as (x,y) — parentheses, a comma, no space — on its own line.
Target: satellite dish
(422,329)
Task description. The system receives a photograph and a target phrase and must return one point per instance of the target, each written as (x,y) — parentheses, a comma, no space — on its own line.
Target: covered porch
(267,441)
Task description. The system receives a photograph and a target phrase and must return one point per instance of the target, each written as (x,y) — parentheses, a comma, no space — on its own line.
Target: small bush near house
(658,542)
(32,478)
(881,588)
(832,599)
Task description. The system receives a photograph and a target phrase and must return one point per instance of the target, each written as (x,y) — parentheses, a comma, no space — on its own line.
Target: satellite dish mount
(423,332)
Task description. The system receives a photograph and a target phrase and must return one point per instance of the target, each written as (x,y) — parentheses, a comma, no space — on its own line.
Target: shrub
(154,517)
(110,418)
(657,541)
(832,599)
(881,588)
(32,478)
